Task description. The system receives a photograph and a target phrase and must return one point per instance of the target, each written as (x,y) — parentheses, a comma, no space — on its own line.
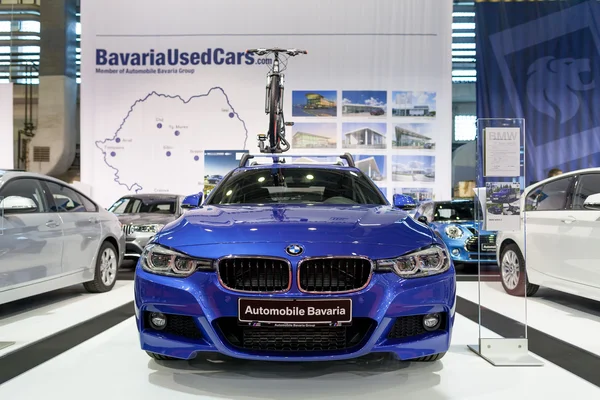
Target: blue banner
(541,61)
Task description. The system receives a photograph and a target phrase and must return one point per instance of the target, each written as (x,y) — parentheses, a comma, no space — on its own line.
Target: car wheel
(431,358)
(512,270)
(105,274)
(160,357)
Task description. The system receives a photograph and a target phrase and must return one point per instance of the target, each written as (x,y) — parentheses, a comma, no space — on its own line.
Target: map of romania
(164,135)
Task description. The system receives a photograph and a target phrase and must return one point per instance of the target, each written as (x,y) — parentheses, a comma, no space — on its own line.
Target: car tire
(430,358)
(513,273)
(105,273)
(160,357)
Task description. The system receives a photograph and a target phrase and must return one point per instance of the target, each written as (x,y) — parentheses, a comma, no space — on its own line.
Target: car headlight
(164,261)
(149,228)
(430,261)
(453,232)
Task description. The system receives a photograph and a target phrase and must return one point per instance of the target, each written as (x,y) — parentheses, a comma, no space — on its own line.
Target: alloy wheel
(511,269)
(108,266)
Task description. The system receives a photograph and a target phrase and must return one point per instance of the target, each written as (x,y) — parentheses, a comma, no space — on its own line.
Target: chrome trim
(333,258)
(229,257)
(132,255)
(128,229)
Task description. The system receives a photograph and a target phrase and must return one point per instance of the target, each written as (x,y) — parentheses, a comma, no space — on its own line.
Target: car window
(119,206)
(65,199)
(588,184)
(89,206)
(302,185)
(22,196)
(419,210)
(463,211)
(532,199)
(553,195)
(131,205)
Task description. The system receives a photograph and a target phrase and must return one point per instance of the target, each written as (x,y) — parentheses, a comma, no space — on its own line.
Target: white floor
(111,365)
(75,307)
(563,316)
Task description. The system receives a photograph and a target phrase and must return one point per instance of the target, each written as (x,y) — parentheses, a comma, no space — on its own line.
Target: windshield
(308,185)
(133,205)
(463,211)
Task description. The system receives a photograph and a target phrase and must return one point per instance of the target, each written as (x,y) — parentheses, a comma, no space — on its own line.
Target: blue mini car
(454,222)
(293,262)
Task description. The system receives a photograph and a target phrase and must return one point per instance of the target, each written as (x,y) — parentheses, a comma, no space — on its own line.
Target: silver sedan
(53,236)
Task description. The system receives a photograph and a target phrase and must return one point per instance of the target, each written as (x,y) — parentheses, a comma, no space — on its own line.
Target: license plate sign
(488,247)
(295,311)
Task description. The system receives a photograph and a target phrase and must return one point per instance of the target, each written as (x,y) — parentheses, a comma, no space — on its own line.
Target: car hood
(371,225)
(146,218)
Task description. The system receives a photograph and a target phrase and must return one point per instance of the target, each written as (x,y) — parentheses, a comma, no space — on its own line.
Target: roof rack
(279,159)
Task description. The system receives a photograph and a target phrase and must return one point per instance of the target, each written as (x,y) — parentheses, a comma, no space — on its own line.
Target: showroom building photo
(402,201)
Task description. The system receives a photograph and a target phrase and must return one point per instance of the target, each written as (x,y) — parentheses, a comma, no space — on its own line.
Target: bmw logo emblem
(294,249)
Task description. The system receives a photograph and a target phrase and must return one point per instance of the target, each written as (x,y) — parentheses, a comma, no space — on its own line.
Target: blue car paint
(464,256)
(504,195)
(373,231)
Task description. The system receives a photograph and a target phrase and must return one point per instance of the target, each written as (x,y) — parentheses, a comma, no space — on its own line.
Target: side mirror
(422,219)
(592,202)
(192,201)
(17,205)
(404,202)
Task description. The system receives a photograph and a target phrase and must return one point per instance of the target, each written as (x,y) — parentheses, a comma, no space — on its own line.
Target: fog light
(455,252)
(158,321)
(431,322)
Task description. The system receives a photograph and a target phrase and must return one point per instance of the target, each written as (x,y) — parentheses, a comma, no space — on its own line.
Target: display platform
(555,313)
(29,320)
(113,362)
(114,357)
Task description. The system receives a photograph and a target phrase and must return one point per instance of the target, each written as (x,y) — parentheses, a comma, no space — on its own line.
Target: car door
(544,223)
(580,235)
(82,229)
(31,240)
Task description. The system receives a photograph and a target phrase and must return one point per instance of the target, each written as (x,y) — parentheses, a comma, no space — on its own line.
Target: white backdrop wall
(7,136)
(145,126)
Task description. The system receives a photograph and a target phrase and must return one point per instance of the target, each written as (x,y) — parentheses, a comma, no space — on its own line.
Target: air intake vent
(41,154)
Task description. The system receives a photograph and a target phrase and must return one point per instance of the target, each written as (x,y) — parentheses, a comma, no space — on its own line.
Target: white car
(561,225)
(52,236)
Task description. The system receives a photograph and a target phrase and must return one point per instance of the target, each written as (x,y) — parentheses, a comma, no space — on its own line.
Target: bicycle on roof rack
(274,141)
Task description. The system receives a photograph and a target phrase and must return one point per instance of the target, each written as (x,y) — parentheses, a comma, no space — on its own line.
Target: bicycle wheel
(274,121)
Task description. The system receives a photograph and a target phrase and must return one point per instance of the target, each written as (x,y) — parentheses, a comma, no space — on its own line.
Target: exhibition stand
(500,154)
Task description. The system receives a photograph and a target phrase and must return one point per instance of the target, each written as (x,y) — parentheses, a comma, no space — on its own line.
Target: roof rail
(245,158)
(349,159)
(278,158)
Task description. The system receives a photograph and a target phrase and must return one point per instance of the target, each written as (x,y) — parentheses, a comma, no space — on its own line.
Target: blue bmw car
(292,262)
(455,223)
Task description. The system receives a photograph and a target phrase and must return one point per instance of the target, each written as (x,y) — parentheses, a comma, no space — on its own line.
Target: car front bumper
(462,256)
(135,244)
(388,313)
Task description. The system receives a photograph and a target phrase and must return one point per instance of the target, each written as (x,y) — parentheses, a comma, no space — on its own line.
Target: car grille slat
(410,326)
(177,325)
(333,275)
(261,275)
(472,244)
(289,339)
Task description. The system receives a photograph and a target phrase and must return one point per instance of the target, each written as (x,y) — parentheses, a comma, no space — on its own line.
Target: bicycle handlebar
(289,52)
